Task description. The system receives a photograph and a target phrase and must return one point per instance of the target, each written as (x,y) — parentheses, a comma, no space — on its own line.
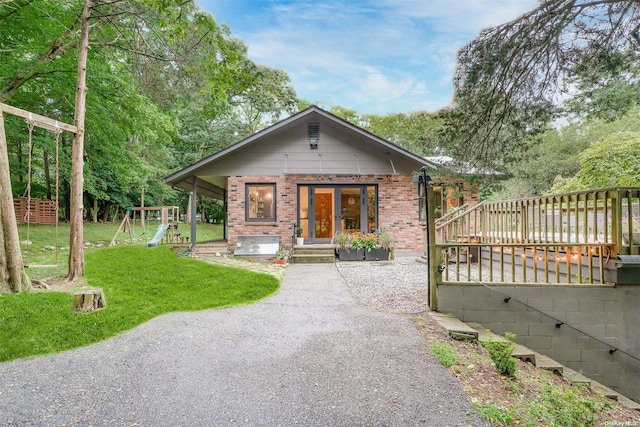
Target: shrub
(500,352)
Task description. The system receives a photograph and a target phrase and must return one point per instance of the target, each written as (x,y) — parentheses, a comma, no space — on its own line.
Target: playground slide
(162,229)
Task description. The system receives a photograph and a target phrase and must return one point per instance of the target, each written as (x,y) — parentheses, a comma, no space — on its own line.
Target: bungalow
(315,171)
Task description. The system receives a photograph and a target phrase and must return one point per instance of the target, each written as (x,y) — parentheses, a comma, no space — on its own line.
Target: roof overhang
(184,177)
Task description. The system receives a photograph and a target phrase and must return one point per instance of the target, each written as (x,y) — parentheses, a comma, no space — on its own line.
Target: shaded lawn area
(139,284)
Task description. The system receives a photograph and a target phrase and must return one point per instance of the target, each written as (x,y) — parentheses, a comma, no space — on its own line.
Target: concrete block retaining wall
(608,313)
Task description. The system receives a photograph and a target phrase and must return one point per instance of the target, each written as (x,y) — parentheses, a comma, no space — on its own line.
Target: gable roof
(186,174)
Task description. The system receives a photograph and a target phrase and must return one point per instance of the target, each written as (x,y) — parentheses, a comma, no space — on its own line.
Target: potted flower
(282,256)
(345,248)
(377,245)
(299,238)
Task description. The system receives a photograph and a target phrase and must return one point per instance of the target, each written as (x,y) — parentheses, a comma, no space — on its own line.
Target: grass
(139,283)
(445,354)
(43,241)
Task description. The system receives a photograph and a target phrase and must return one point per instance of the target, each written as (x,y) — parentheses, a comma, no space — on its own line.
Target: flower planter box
(351,254)
(378,254)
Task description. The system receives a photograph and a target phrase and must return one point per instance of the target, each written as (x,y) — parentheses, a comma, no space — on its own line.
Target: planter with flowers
(346,251)
(377,245)
(282,256)
(368,247)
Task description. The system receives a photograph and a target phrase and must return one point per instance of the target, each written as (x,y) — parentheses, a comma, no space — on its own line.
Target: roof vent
(313,134)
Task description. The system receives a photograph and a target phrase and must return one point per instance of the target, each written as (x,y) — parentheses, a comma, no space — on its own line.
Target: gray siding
(339,152)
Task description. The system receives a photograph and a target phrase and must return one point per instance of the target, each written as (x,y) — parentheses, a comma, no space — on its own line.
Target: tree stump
(88,300)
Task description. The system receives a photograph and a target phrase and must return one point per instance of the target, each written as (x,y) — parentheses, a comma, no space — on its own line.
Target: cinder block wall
(608,313)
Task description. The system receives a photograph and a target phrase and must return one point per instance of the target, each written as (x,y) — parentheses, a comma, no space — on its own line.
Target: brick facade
(397,206)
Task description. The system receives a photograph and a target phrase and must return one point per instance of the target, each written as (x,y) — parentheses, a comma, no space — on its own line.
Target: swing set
(57,128)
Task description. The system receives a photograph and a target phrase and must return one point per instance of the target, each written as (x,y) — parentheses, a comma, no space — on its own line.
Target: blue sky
(372,56)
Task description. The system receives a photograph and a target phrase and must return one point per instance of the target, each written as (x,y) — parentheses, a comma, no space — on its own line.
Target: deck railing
(565,238)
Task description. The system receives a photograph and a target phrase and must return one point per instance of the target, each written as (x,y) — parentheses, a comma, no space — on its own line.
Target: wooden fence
(38,212)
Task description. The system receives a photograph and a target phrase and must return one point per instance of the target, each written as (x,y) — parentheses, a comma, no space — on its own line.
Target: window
(260,202)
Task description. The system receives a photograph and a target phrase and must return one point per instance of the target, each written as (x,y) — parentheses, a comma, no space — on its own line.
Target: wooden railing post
(616,222)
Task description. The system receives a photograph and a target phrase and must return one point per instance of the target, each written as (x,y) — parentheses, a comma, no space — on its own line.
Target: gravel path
(308,355)
(398,286)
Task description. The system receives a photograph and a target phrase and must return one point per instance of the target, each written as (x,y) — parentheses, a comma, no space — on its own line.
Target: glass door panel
(303,214)
(350,209)
(325,212)
(372,209)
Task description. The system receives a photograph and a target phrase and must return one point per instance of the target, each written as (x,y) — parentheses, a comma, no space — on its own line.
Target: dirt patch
(58,284)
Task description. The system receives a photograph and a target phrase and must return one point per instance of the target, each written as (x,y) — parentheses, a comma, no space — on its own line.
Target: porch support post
(194,209)
(224,220)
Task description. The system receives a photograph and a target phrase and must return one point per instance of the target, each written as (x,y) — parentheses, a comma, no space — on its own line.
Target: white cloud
(374,56)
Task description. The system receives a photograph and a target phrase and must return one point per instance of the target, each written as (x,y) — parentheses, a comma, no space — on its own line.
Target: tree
(76,240)
(164,77)
(12,274)
(510,78)
(614,162)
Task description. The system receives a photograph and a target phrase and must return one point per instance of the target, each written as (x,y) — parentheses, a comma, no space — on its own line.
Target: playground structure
(168,231)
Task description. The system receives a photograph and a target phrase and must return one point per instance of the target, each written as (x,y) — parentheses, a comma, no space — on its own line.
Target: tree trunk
(20,168)
(76,244)
(12,272)
(47,174)
(94,212)
(187,217)
(106,210)
(142,214)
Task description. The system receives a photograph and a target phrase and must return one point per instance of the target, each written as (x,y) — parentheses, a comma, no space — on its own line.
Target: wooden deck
(582,238)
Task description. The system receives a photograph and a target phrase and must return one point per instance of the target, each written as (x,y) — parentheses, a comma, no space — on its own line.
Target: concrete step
(211,251)
(625,401)
(545,362)
(605,391)
(519,352)
(312,259)
(456,329)
(301,250)
(576,378)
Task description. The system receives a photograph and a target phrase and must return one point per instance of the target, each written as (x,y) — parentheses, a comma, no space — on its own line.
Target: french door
(325,209)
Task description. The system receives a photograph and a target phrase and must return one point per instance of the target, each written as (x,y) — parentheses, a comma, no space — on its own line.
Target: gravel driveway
(308,355)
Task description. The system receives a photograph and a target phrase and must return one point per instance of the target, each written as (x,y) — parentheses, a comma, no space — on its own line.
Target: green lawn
(43,241)
(139,283)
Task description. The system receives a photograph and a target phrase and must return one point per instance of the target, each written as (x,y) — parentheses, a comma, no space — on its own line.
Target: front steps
(462,331)
(313,254)
(210,249)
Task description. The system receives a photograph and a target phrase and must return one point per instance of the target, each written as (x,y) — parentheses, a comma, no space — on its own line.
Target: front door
(325,209)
